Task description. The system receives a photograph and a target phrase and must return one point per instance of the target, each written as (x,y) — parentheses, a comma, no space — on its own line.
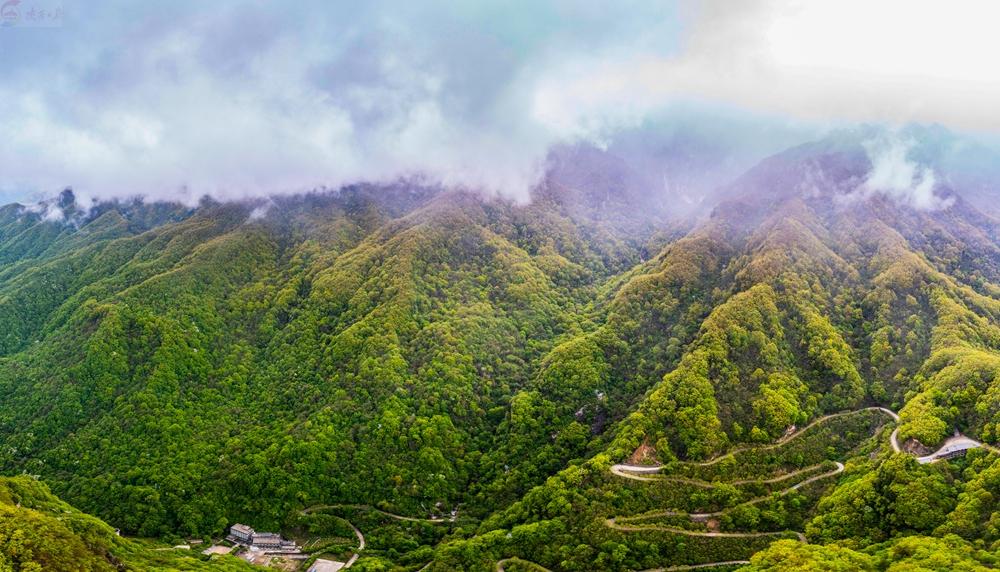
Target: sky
(185,98)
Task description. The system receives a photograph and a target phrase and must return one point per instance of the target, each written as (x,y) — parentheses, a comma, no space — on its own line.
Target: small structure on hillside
(271,542)
(240,533)
(268,542)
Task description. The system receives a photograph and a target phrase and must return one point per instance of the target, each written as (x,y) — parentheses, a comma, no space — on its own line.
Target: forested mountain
(40,532)
(173,370)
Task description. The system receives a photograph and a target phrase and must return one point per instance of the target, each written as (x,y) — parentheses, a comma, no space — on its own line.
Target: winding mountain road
(361,546)
(798,433)
(636,472)
(361,537)
(894,441)
(643,472)
(703,516)
(950,447)
(357,532)
(652,473)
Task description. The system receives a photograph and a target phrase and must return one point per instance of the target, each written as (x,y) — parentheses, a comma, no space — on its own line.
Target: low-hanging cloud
(900,178)
(239,99)
(234,99)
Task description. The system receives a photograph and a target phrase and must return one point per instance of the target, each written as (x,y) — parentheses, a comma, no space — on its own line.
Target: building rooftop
(241,528)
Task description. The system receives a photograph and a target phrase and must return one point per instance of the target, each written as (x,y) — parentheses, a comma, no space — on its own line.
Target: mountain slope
(421,350)
(345,348)
(40,532)
(823,302)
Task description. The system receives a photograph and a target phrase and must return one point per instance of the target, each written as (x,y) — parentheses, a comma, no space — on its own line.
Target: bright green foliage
(910,554)
(39,532)
(175,370)
(790,556)
(898,496)
(977,514)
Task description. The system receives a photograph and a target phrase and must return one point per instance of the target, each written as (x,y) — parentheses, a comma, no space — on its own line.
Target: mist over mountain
(556,286)
(419,349)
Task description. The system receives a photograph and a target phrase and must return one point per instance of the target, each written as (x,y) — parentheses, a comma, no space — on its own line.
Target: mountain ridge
(174,370)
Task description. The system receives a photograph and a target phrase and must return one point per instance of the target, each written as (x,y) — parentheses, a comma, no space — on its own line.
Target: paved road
(635,472)
(951,446)
(361,546)
(629,472)
(889,412)
(778,479)
(361,537)
(839,469)
(652,473)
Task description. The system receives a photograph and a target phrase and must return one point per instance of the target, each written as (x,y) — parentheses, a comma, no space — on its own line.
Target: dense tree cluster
(173,370)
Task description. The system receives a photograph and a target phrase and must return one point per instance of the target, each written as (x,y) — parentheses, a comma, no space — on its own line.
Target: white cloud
(260,211)
(237,99)
(895,175)
(891,61)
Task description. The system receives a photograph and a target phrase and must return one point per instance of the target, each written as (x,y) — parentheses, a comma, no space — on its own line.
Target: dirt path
(610,523)
(380,511)
(650,472)
(703,516)
(697,566)
(794,435)
(502,563)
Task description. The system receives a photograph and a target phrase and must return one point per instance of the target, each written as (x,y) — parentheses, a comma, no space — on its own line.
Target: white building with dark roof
(241,533)
(266,540)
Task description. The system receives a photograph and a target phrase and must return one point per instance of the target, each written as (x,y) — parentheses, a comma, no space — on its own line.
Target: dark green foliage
(39,532)
(175,370)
